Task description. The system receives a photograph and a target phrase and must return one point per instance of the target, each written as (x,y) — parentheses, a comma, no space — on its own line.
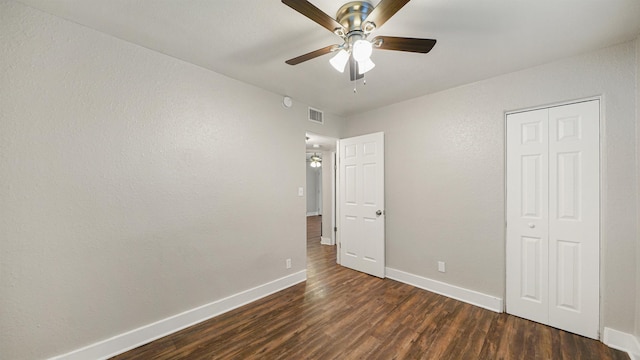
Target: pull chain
(355,84)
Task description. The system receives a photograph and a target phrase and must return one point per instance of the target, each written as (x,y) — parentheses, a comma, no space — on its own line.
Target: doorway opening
(321,187)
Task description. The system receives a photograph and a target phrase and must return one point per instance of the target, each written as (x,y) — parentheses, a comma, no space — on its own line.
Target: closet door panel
(527,215)
(574,231)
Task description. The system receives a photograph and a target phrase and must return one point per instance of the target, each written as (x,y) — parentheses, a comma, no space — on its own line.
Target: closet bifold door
(574,217)
(528,215)
(553,222)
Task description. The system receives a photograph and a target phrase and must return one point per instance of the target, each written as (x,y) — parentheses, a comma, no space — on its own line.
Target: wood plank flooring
(314,226)
(343,314)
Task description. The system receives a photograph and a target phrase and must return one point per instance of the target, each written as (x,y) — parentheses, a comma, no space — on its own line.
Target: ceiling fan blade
(405,44)
(384,11)
(353,70)
(311,55)
(309,10)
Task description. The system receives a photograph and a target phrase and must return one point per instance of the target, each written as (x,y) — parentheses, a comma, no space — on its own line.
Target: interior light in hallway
(316,161)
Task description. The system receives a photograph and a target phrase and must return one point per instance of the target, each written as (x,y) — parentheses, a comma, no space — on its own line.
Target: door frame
(326,162)
(318,189)
(334,194)
(602,195)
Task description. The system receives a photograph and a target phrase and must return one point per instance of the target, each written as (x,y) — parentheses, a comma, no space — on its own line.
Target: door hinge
(335,229)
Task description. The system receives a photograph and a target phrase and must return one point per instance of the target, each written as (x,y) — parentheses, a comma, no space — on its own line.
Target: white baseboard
(326,241)
(622,341)
(145,334)
(313,213)
(469,296)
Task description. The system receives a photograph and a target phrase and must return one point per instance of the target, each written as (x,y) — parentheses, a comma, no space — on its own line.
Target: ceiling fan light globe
(339,61)
(362,50)
(365,65)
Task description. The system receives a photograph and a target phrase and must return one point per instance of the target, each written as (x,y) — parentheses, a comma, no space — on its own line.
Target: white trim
(313,213)
(145,334)
(334,201)
(622,341)
(455,292)
(338,232)
(326,240)
(555,104)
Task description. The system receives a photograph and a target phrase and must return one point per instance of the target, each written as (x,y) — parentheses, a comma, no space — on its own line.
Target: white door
(553,221)
(527,215)
(574,217)
(361,203)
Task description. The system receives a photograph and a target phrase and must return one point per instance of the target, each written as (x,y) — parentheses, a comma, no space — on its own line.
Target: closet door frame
(599,127)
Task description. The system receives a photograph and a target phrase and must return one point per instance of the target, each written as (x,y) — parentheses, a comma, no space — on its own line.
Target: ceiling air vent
(316,116)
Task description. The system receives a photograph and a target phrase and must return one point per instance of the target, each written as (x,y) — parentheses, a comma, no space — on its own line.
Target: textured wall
(445,173)
(130,188)
(327,199)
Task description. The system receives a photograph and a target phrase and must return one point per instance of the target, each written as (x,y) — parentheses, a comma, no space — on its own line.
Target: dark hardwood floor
(343,314)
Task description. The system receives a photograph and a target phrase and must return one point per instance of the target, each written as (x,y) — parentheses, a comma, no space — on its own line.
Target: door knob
(532,225)
(379,212)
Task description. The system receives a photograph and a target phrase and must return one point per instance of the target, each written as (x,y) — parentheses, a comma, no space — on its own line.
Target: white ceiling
(249,40)
(318,143)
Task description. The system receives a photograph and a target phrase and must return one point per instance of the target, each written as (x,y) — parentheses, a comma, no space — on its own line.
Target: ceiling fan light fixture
(316,161)
(339,61)
(354,22)
(365,65)
(362,50)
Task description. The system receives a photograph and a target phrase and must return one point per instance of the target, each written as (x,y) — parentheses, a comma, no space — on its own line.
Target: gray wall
(129,178)
(130,188)
(327,200)
(445,174)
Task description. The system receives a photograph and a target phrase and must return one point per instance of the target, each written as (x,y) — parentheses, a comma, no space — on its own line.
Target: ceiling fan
(354,22)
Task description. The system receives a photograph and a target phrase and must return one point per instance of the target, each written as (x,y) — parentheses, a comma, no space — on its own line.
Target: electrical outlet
(288,263)
(441,266)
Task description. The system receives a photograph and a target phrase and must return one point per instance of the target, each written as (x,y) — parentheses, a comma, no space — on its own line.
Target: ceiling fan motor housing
(353,14)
